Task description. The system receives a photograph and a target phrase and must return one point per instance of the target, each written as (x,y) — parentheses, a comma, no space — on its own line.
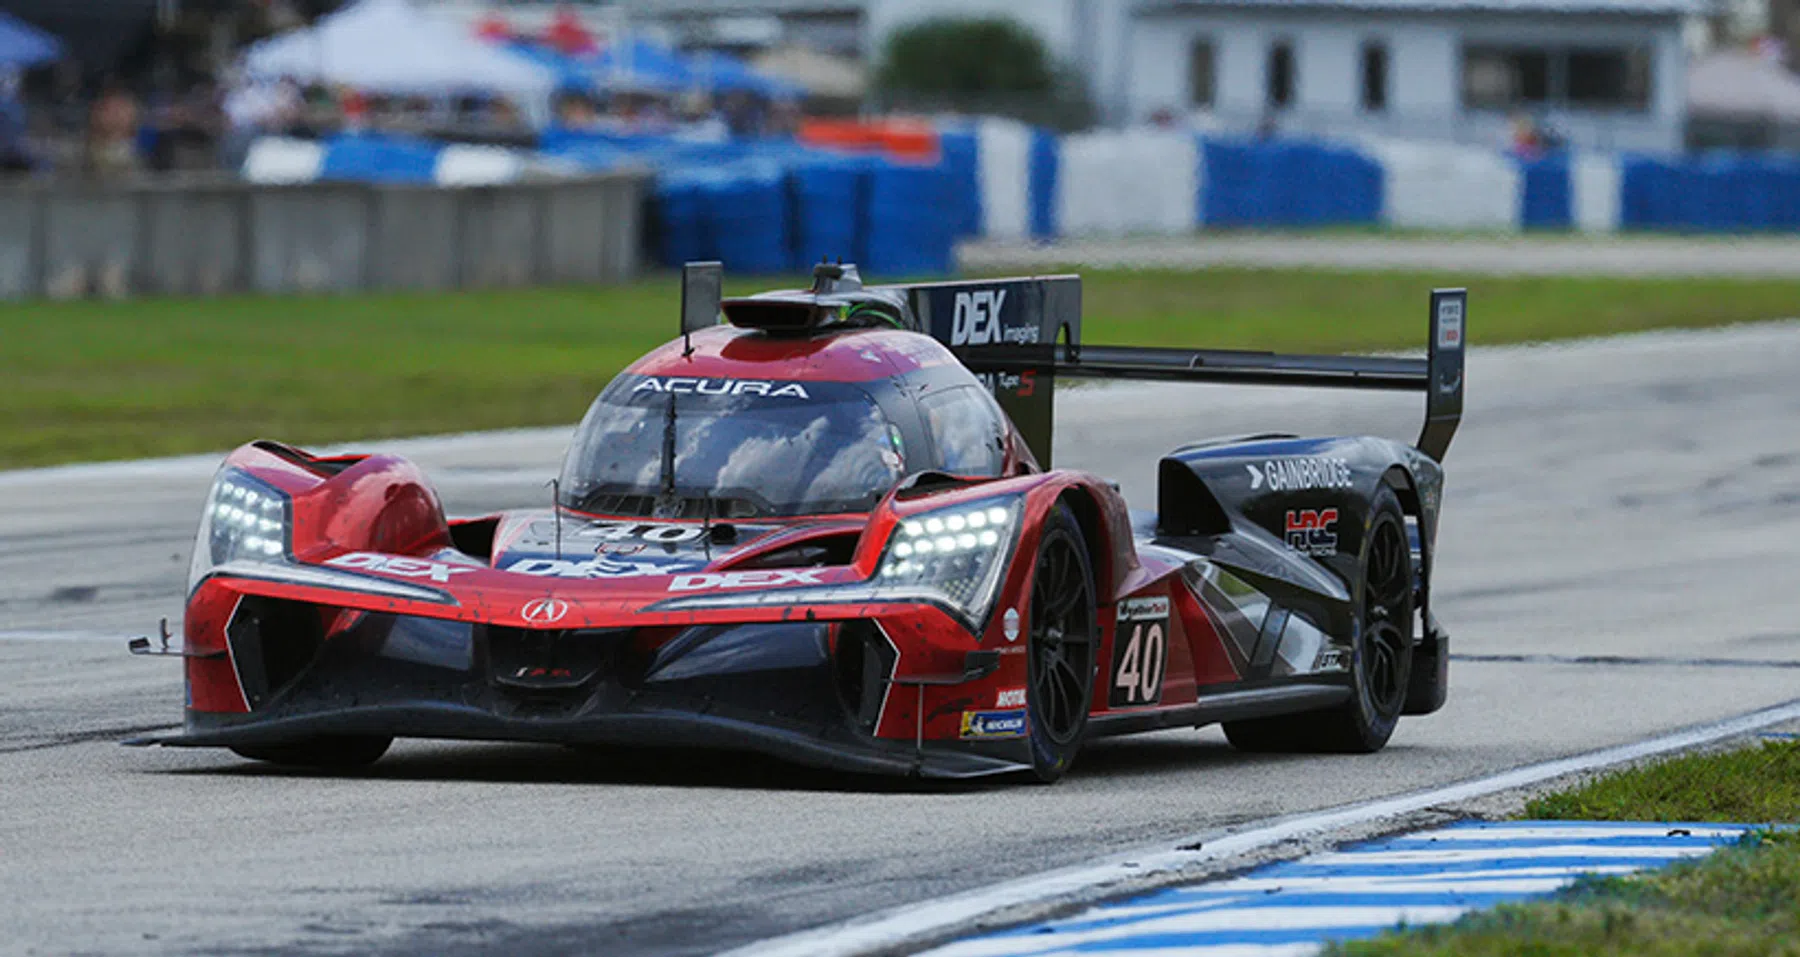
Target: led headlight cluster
(955,554)
(954,557)
(245,520)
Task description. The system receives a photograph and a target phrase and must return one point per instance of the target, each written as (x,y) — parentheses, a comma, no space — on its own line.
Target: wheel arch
(1430,679)
(1095,537)
(1406,489)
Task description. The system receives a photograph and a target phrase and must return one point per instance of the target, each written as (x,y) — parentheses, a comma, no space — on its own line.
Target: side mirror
(702,289)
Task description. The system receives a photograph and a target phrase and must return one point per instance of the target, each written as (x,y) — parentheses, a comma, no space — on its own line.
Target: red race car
(826,529)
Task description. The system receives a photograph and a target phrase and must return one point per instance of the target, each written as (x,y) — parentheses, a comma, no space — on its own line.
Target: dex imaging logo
(977,320)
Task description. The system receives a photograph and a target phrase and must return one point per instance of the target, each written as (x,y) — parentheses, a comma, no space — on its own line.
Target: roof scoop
(833,278)
(837,298)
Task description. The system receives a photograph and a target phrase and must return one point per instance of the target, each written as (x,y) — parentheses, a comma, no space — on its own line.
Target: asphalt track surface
(1619,558)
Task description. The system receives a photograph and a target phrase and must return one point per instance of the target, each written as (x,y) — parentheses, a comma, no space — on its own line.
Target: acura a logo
(544,611)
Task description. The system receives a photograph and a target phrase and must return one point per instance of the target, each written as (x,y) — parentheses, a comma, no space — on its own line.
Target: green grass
(100,380)
(1758,785)
(1743,900)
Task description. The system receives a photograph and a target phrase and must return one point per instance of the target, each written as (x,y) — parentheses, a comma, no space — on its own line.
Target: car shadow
(614,766)
(1110,759)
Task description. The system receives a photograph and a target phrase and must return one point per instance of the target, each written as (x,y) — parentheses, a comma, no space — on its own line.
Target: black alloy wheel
(1060,656)
(1380,658)
(1387,610)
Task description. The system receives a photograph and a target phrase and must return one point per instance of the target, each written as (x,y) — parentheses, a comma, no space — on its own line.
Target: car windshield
(674,447)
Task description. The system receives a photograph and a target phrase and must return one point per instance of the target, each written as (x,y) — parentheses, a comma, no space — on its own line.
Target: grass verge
(99,380)
(1743,900)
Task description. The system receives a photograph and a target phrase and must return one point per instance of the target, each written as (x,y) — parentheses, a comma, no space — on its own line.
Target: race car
(822,524)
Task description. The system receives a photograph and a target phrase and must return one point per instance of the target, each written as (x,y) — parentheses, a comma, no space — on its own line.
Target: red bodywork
(385,506)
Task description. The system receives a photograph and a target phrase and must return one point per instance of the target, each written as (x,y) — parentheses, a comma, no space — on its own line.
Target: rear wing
(1021,335)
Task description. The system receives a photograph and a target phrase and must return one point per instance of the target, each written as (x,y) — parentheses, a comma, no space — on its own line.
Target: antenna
(706,525)
(556,513)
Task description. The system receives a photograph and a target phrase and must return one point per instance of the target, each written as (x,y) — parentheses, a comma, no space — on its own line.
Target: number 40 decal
(1140,653)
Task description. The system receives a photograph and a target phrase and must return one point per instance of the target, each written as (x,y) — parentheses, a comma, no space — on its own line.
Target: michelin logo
(994,724)
(977,321)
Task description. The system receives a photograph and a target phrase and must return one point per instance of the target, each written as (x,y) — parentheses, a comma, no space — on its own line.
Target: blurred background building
(776,130)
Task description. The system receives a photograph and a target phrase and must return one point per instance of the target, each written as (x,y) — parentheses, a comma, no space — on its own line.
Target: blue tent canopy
(726,73)
(646,66)
(642,64)
(23,45)
(570,75)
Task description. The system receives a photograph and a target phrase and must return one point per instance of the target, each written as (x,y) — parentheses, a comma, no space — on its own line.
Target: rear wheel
(1380,662)
(1060,655)
(332,752)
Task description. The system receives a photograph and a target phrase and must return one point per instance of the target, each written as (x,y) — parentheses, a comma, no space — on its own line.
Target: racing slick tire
(336,752)
(1380,663)
(1060,650)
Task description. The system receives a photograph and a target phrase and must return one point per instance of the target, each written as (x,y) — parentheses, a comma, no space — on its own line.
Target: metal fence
(212,237)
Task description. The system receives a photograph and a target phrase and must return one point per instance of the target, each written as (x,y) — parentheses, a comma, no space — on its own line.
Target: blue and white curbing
(275,160)
(1293,908)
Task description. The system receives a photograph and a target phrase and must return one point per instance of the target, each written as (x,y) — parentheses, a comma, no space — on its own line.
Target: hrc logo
(1309,531)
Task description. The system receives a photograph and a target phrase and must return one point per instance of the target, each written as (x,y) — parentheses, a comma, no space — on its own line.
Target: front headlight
(954,555)
(246,520)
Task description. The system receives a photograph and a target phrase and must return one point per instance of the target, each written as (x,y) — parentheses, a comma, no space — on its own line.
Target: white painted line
(1451,855)
(1217,950)
(1528,831)
(893,929)
(1236,893)
(1497,875)
(1407,884)
(64,636)
(203,465)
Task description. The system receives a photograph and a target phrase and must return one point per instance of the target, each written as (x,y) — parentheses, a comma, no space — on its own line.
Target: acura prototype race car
(821,524)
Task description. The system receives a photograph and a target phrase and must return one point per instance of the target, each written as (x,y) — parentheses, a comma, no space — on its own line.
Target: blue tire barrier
(1546,193)
(1045,168)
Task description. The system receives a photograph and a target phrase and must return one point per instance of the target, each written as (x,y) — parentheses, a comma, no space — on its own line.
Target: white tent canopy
(820,74)
(1745,85)
(387,46)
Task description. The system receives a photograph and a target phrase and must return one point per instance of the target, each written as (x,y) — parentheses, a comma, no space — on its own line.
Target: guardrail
(219,236)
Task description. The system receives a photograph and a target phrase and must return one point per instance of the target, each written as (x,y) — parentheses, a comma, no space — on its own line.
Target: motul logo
(757,579)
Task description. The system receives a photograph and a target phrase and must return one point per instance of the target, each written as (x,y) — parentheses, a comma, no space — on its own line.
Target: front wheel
(332,752)
(1380,660)
(1060,655)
